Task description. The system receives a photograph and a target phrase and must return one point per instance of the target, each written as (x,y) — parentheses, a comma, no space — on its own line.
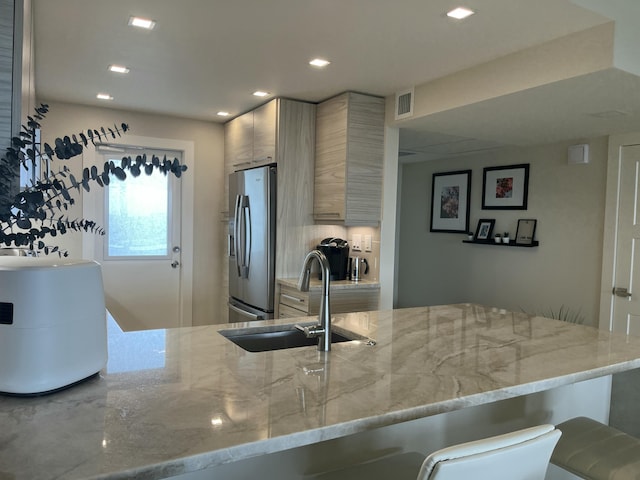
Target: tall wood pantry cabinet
(349,160)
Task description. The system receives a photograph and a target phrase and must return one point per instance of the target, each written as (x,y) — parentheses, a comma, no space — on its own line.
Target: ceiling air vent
(404,104)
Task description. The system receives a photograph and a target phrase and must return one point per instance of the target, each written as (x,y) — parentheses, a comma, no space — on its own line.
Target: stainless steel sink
(278,337)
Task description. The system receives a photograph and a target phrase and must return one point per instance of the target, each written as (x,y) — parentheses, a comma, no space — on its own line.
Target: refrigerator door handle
(246,258)
(236,232)
(243,235)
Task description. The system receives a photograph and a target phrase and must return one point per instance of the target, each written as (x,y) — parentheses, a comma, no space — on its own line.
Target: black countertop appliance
(337,252)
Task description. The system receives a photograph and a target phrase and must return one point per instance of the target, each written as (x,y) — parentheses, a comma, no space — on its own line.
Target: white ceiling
(210,55)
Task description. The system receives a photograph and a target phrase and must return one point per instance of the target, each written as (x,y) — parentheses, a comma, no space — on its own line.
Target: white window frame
(174,185)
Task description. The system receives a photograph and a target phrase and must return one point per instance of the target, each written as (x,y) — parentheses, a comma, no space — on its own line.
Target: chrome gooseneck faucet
(323,330)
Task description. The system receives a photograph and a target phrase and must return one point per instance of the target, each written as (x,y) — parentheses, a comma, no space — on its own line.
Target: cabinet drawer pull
(334,214)
(289,297)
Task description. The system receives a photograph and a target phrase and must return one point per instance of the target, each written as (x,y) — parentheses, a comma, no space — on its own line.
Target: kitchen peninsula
(189,403)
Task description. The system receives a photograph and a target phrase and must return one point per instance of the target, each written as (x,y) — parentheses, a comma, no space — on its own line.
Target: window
(139,214)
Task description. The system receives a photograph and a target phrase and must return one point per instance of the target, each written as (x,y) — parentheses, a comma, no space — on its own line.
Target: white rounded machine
(53,328)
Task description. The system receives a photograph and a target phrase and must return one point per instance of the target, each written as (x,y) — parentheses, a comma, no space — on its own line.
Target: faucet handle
(303,281)
(311,331)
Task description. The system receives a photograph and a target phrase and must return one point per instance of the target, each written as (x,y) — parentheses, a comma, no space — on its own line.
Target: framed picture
(485,229)
(505,188)
(526,231)
(451,197)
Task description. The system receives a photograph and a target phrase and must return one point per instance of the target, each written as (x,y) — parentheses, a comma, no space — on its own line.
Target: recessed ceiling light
(460,13)
(104,96)
(319,62)
(142,23)
(223,114)
(260,93)
(118,69)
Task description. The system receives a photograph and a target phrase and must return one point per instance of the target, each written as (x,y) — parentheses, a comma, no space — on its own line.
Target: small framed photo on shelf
(505,188)
(450,201)
(485,229)
(526,231)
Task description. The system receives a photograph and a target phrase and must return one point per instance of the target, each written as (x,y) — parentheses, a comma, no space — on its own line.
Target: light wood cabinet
(264,133)
(294,303)
(238,148)
(300,302)
(349,159)
(250,139)
(238,142)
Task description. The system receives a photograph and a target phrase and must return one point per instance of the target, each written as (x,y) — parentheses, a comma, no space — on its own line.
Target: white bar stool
(520,455)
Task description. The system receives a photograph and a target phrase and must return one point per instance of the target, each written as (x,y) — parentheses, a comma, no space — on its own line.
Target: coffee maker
(337,252)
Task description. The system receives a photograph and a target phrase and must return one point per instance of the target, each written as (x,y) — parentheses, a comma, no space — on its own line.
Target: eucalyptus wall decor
(39,210)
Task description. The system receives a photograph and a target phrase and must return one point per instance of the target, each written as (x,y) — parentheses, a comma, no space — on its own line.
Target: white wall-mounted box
(578,154)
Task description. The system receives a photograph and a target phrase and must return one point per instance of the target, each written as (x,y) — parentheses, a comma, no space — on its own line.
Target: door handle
(175,264)
(248,239)
(621,292)
(243,236)
(236,233)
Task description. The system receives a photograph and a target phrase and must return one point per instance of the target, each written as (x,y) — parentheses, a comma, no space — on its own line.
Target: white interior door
(625,312)
(141,251)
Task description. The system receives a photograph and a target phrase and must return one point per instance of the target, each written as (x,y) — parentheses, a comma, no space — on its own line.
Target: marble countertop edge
(202,461)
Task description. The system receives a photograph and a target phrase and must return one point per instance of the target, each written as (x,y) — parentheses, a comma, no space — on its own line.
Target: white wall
(565,270)
(66,119)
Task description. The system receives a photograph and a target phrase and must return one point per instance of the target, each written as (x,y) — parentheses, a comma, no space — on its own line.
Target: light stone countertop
(316,284)
(181,400)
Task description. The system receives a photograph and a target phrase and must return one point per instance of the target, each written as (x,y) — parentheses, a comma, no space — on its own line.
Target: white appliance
(252,244)
(53,327)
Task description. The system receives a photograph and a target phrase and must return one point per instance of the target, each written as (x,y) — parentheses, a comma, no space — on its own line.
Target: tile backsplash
(320,232)
(372,255)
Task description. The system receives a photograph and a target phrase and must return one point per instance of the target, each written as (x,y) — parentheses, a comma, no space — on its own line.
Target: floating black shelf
(512,243)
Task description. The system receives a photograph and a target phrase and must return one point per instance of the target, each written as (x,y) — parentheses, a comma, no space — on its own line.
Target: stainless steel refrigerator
(252,240)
